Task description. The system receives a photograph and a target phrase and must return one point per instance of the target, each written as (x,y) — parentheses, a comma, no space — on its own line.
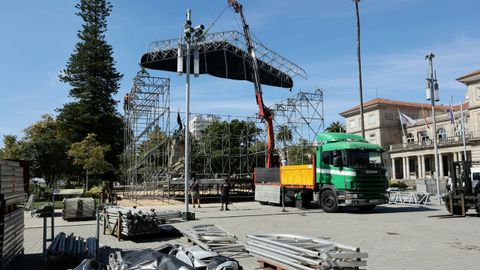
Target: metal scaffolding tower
(303,116)
(146,135)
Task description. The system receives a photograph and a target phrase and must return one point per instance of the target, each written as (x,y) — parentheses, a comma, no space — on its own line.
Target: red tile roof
(403,104)
(473,73)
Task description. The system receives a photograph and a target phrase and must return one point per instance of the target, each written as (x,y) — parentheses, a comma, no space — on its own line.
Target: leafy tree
(45,149)
(221,145)
(90,155)
(94,80)
(301,153)
(284,134)
(336,127)
(12,149)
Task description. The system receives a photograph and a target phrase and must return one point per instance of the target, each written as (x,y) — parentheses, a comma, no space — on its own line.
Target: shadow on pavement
(450,216)
(388,210)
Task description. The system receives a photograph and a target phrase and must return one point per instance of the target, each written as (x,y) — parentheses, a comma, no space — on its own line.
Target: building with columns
(409,151)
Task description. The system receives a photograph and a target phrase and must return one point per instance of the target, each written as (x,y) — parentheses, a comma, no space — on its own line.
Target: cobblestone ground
(395,236)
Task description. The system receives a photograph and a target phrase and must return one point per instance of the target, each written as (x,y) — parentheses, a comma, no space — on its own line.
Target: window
(441,134)
(423,136)
(389,116)
(371,119)
(364,159)
(458,129)
(327,158)
(410,138)
(353,124)
(477,93)
(373,138)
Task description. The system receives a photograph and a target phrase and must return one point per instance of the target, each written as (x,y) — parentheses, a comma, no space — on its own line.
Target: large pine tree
(94,80)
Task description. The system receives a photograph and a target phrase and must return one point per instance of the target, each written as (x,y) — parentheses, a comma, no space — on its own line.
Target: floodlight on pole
(433,95)
(192,35)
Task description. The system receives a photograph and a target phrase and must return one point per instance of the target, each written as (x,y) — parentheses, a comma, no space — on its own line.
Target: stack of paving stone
(12,193)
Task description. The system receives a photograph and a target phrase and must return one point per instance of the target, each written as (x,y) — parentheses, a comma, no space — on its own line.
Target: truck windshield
(364,159)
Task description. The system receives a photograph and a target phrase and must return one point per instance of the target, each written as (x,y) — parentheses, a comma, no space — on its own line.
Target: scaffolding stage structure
(146,135)
(154,167)
(235,147)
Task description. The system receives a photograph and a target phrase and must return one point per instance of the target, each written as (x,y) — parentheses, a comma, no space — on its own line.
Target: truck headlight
(351,196)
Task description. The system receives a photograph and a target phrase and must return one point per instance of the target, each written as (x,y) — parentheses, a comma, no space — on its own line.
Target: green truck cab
(349,172)
(345,171)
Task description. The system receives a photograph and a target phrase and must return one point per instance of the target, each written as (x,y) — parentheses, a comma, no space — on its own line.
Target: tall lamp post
(432,94)
(191,37)
(360,87)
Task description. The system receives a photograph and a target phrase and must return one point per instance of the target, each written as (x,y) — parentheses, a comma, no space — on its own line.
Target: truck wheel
(329,201)
(366,208)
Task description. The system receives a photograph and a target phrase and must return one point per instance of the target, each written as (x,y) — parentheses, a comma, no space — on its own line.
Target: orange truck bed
(297,176)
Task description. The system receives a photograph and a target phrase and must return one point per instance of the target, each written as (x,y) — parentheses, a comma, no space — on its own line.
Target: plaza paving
(395,236)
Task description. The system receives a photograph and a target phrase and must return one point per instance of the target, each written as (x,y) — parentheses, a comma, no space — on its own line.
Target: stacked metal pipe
(12,194)
(139,222)
(72,246)
(304,253)
(213,238)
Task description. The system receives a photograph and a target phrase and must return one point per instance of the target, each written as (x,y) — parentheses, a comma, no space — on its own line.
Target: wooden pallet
(265,264)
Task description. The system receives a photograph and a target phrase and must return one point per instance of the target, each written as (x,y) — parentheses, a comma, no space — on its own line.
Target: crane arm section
(264,112)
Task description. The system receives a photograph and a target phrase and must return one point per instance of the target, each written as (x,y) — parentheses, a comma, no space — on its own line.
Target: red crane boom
(264,112)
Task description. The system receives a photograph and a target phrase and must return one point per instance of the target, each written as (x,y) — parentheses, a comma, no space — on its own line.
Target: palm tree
(359,68)
(336,127)
(284,134)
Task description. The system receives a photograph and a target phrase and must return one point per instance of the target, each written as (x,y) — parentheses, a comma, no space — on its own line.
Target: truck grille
(371,183)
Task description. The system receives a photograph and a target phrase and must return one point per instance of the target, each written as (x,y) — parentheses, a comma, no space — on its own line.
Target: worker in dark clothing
(195,190)
(225,195)
(125,102)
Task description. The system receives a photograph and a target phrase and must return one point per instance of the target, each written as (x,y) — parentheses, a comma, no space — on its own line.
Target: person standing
(125,102)
(195,190)
(225,193)
(449,184)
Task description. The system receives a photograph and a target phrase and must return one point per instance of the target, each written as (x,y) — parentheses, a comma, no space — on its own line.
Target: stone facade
(409,152)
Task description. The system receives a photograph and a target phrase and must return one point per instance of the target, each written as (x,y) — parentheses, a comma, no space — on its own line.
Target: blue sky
(37,38)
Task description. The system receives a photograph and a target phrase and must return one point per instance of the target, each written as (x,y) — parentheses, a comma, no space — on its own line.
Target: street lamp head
(429,56)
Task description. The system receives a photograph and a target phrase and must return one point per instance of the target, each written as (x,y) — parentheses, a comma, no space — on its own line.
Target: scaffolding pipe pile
(72,247)
(305,253)
(134,222)
(214,238)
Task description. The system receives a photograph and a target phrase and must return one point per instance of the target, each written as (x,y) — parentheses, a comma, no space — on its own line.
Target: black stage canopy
(223,55)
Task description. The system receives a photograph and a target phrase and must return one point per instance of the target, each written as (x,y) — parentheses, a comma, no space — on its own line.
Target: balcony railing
(445,141)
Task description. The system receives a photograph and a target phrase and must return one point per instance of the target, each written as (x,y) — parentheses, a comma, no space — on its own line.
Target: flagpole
(463,132)
(401,124)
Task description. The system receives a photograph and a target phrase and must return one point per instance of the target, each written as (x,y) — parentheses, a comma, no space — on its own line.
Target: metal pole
(360,87)
(463,132)
(435,148)
(97,242)
(53,218)
(187,120)
(44,244)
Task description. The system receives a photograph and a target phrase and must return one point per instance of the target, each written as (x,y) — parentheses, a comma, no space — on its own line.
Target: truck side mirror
(338,162)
